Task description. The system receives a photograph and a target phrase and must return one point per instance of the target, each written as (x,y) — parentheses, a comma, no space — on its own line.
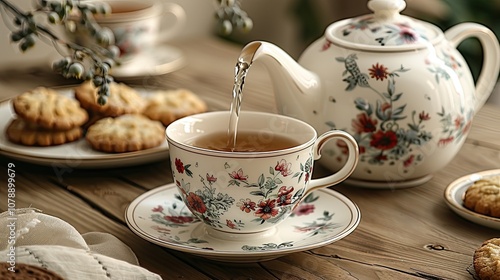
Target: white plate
(455,192)
(161,217)
(77,154)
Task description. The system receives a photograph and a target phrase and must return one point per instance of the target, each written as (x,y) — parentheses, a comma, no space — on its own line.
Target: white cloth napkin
(51,243)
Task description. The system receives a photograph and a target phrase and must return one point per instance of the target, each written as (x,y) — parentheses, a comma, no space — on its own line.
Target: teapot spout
(297,90)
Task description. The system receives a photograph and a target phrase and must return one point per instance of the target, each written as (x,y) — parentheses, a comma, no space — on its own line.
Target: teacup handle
(167,32)
(346,170)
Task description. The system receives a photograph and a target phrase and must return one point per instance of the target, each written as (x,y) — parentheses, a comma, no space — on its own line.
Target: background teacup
(139,25)
(249,191)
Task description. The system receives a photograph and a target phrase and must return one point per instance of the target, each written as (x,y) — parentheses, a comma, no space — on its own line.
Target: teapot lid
(385,29)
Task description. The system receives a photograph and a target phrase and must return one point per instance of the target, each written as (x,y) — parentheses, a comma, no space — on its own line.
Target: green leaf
(261,180)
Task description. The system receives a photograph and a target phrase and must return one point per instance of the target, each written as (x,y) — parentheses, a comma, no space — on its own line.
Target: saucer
(455,192)
(160,60)
(388,184)
(161,217)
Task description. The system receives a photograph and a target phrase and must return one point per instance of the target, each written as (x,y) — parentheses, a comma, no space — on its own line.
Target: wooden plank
(33,190)
(485,130)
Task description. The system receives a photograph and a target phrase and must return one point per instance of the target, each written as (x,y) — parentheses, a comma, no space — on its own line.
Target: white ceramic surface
(397,84)
(77,154)
(249,192)
(160,216)
(455,192)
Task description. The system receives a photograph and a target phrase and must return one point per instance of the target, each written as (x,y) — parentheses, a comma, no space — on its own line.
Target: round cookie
(126,133)
(487,260)
(48,109)
(483,197)
(21,132)
(122,99)
(168,106)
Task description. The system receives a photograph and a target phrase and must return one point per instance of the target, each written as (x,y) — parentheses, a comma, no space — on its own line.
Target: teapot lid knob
(386,9)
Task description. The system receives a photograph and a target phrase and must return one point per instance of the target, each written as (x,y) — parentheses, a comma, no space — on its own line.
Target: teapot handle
(491,56)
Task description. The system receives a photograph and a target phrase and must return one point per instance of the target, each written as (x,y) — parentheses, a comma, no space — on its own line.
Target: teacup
(139,25)
(254,189)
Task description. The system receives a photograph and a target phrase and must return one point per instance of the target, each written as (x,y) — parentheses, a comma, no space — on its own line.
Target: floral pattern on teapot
(269,200)
(394,34)
(382,135)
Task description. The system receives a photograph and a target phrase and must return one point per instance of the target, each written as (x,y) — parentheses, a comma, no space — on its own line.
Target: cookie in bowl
(487,260)
(126,133)
(483,197)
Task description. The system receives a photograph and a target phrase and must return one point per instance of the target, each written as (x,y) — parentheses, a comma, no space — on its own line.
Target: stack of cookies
(128,121)
(45,118)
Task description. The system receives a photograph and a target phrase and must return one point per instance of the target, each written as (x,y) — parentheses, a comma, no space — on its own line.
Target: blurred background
(294,24)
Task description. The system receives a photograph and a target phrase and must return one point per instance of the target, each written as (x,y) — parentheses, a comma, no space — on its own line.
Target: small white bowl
(455,192)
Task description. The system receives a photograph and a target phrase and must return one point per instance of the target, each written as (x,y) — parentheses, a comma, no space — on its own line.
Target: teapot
(397,84)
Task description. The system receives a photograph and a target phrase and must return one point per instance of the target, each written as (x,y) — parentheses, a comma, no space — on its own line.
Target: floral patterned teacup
(249,192)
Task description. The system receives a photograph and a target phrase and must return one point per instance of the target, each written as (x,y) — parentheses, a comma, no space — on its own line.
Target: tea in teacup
(246,141)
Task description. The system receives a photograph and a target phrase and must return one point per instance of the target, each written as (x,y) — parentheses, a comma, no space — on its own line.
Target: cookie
(126,133)
(48,109)
(168,106)
(21,132)
(487,260)
(483,197)
(122,99)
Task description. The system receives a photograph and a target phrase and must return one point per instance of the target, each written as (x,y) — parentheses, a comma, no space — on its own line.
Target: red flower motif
(304,209)
(378,72)
(211,178)
(458,121)
(283,167)
(266,209)
(231,225)
(445,141)
(179,219)
(384,107)
(362,150)
(409,161)
(308,176)
(407,34)
(424,116)
(285,195)
(159,208)
(326,45)
(196,203)
(364,123)
(179,165)
(238,175)
(246,205)
(384,140)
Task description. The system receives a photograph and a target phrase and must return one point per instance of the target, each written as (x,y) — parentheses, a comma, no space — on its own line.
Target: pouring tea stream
(397,84)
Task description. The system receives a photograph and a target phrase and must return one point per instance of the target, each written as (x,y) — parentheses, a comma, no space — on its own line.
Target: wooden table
(403,234)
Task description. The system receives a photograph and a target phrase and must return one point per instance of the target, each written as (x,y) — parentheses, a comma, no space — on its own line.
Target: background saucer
(160,60)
